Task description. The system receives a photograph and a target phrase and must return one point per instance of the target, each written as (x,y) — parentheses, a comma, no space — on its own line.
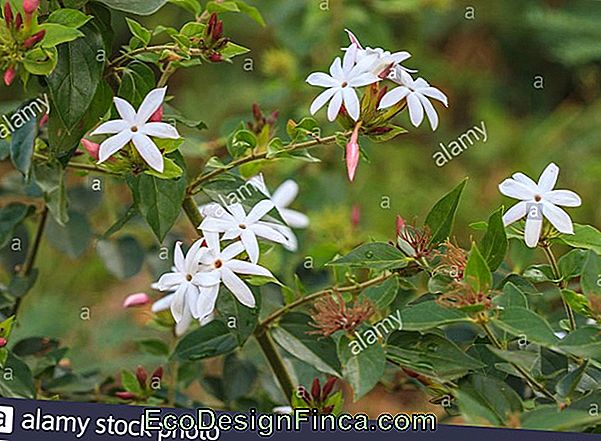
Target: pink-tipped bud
(18,21)
(3,342)
(400,224)
(257,114)
(125,395)
(8,14)
(44,120)
(353,39)
(352,153)
(142,376)
(139,299)
(158,373)
(215,57)
(30,6)
(9,75)
(217,31)
(158,115)
(92,148)
(211,24)
(34,39)
(355,216)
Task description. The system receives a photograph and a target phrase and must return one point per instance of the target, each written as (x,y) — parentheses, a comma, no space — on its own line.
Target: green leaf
(377,255)
(74,82)
(568,383)
(240,142)
(442,216)
(21,285)
(251,11)
(477,273)
(571,264)
(383,294)
(232,50)
(392,132)
(73,238)
(158,200)
(578,302)
(585,237)
(41,60)
(191,5)
(362,369)
(122,257)
(139,31)
(138,7)
(69,17)
(137,80)
(222,6)
(319,352)
(10,217)
(130,382)
(521,321)
(21,146)
(487,400)
(240,319)
(240,375)
(50,177)
(428,315)
(583,342)
(494,242)
(16,380)
(512,297)
(210,340)
(591,274)
(58,34)
(552,418)
(153,347)
(430,355)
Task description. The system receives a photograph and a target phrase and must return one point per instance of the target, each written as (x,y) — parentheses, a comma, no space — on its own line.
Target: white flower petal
(334,106)
(548,178)
(160,130)
(291,243)
(399,57)
(558,218)
(285,194)
(215,225)
(350,57)
(182,326)
(434,93)
(238,288)
(394,96)
(566,198)
(322,80)
(430,111)
(267,232)
(178,257)
(170,281)
(206,302)
(532,231)
(179,302)
(416,110)
(162,304)
(213,244)
(294,218)
(112,145)
(209,278)
(149,152)
(242,267)
(238,212)
(336,69)
(110,127)
(321,99)
(516,190)
(251,245)
(363,80)
(125,110)
(515,213)
(351,102)
(151,104)
(521,177)
(232,251)
(258,211)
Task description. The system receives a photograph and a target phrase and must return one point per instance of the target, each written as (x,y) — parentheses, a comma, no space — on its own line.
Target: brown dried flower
(332,314)
(461,295)
(453,261)
(412,240)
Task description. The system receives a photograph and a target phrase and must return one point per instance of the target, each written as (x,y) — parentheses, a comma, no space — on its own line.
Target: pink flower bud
(400,224)
(30,6)
(18,21)
(125,395)
(91,147)
(158,115)
(352,153)
(8,14)
(141,376)
(44,120)
(34,39)
(355,216)
(158,373)
(316,390)
(9,75)
(215,57)
(139,299)
(3,342)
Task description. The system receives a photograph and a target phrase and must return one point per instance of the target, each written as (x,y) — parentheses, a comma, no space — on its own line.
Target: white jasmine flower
(235,223)
(538,200)
(184,281)
(340,83)
(417,92)
(134,127)
(381,60)
(223,268)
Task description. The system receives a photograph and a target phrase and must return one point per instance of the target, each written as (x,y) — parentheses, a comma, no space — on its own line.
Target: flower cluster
(17,38)
(197,276)
(319,398)
(365,66)
(332,314)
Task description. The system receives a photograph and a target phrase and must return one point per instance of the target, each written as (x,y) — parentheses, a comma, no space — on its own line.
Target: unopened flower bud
(142,376)
(329,386)
(215,57)
(304,395)
(18,21)
(257,114)
(34,39)
(158,373)
(139,299)
(217,31)
(9,75)
(328,409)
(93,150)
(44,120)
(352,153)
(400,224)
(30,6)
(355,216)
(316,390)
(158,115)
(125,395)
(8,14)
(3,342)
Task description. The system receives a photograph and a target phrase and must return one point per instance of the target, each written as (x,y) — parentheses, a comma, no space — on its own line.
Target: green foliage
(442,216)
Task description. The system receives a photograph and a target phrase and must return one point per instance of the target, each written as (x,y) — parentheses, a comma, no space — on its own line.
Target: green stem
(562,284)
(80,166)
(191,210)
(275,361)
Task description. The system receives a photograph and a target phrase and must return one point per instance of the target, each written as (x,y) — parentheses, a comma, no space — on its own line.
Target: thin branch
(562,284)
(80,166)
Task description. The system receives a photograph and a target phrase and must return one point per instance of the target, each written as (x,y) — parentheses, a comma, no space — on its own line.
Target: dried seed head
(331,314)
(453,261)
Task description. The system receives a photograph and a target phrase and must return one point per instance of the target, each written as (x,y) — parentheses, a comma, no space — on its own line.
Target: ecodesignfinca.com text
(207,421)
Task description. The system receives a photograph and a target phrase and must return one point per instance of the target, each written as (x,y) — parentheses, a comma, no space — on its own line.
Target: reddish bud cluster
(143,381)
(260,120)
(412,240)
(317,398)
(30,6)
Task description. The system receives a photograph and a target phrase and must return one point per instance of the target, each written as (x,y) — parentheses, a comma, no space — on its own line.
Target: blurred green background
(487,61)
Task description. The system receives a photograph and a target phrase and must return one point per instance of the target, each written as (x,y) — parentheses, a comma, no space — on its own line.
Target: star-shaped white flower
(538,200)
(184,281)
(135,127)
(235,223)
(381,59)
(344,77)
(417,92)
(222,267)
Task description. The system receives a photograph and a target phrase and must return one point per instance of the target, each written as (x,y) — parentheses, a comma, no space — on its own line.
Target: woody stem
(562,284)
